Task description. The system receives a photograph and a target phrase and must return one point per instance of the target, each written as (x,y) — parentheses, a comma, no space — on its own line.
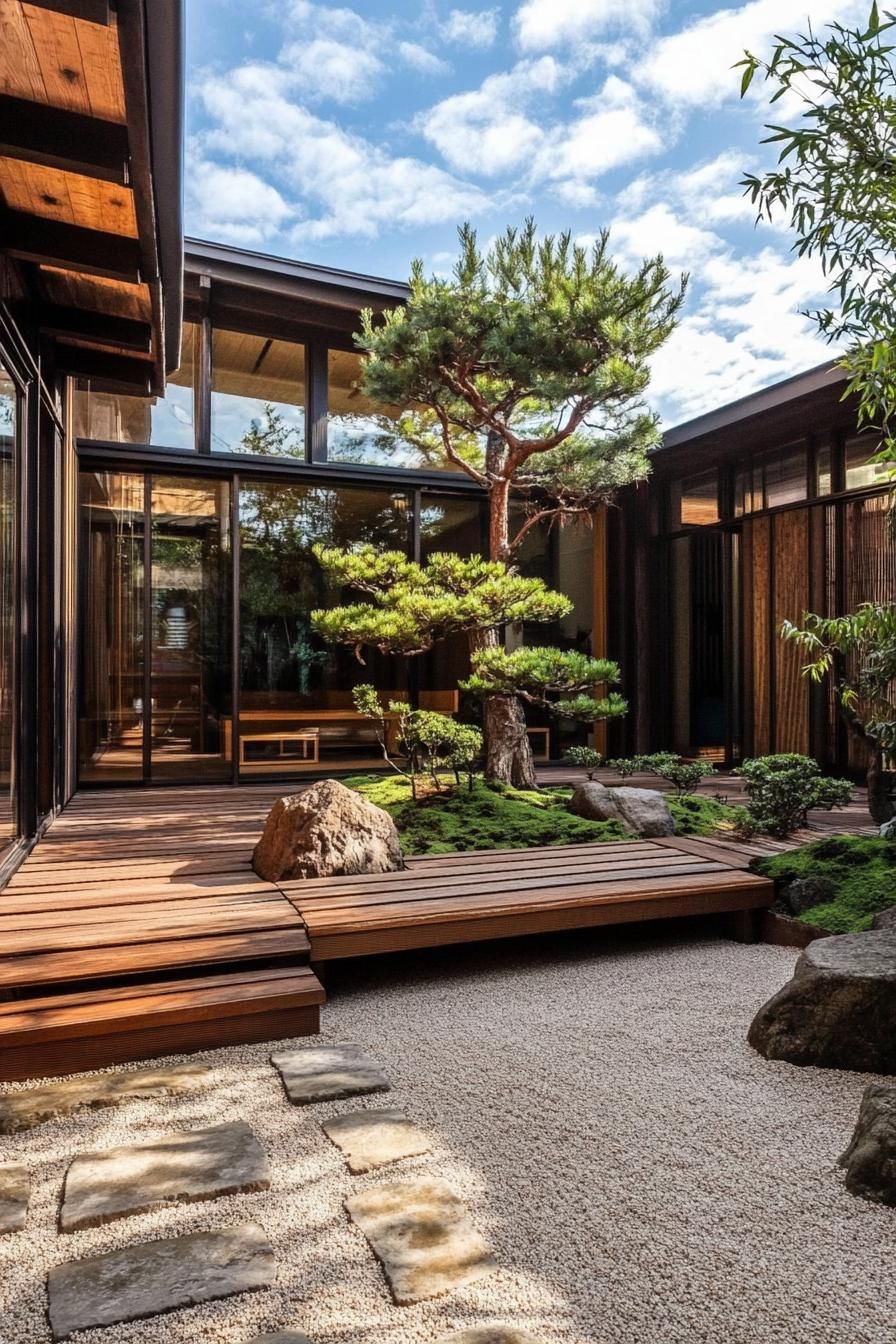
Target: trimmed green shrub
(586,758)
(782,789)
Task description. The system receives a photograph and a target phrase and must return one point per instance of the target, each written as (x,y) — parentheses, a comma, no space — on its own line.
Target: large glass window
(295,691)
(860,472)
(258,395)
(166,422)
(785,478)
(694,501)
(191,607)
(361,430)
(111,627)
(8,716)
(458,525)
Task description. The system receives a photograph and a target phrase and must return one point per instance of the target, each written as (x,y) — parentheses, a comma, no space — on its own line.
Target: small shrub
(626,765)
(782,789)
(684,776)
(586,758)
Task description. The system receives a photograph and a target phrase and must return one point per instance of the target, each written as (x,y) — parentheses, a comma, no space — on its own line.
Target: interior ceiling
(68,172)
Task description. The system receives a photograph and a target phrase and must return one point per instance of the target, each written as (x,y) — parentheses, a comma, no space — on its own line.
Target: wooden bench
(306,737)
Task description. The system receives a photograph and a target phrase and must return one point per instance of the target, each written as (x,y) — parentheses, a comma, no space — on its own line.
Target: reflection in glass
(361,430)
(823,477)
(860,472)
(165,422)
(292,684)
(694,501)
(258,395)
(110,741)
(458,525)
(785,478)
(191,604)
(7,606)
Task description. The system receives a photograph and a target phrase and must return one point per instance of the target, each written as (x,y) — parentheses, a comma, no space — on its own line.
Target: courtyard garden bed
(489,816)
(856,876)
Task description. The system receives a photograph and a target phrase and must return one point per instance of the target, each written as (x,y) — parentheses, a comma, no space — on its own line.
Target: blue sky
(360,135)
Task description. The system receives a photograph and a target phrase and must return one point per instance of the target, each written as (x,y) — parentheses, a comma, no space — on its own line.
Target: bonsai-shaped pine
(431,741)
(684,776)
(782,789)
(836,180)
(858,652)
(411,606)
(526,370)
(626,766)
(586,758)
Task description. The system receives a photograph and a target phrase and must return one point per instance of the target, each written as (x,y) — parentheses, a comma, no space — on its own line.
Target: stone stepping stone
(282,1337)
(158,1276)
(36,1105)
(422,1235)
(371,1139)
(491,1334)
(328,1073)
(15,1192)
(180,1168)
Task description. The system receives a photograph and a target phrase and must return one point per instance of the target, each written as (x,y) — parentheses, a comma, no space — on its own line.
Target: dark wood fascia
(90,11)
(70,141)
(101,328)
(70,247)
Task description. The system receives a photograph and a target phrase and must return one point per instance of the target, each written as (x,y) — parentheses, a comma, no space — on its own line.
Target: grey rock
(15,1192)
(839,1010)
(35,1105)
(644,811)
(282,1337)
(180,1168)
(371,1139)
(328,1072)
(885,919)
(491,1334)
(870,1159)
(158,1276)
(422,1235)
(888,829)
(805,892)
(594,801)
(325,831)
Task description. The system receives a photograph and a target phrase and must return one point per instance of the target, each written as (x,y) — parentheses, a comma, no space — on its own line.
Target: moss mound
(862,868)
(698,814)
(495,817)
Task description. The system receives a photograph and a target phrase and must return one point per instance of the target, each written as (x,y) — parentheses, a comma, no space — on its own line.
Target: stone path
(15,1192)
(418,1229)
(158,1276)
(181,1168)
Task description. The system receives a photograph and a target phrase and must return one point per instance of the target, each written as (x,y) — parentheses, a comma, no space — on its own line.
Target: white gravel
(642,1175)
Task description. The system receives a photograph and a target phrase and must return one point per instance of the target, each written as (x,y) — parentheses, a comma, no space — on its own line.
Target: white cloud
(334,70)
(613,129)
(339,183)
(471,27)
(486,131)
(541,25)
(693,67)
(658,229)
(233,204)
(419,58)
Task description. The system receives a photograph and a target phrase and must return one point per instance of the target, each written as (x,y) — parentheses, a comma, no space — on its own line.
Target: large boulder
(644,811)
(839,1010)
(325,831)
(885,919)
(870,1159)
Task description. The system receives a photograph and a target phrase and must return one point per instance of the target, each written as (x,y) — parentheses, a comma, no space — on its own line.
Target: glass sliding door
(190,688)
(295,691)
(110,746)
(8,623)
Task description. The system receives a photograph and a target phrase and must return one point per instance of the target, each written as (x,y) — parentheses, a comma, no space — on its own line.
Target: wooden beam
(132,375)
(50,243)
(91,11)
(57,138)
(85,325)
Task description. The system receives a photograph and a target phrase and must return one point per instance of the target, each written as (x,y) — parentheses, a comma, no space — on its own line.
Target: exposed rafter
(50,243)
(91,11)
(57,138)
(104,328)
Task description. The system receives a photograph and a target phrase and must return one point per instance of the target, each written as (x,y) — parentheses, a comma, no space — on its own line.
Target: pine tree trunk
(508,752)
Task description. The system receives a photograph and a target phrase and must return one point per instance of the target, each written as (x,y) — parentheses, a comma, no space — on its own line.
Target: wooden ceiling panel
(68,198)
(59,60)
(96,293)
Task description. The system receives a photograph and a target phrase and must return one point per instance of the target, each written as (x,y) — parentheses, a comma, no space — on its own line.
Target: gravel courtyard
(641,1175)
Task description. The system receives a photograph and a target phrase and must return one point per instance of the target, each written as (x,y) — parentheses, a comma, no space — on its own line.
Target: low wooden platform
(464,898)
(138,928)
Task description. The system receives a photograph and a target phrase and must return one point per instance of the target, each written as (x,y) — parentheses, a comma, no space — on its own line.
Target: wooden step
(48,1035)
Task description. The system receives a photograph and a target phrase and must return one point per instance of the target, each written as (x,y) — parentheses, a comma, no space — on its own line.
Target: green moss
(862,868)
(698,814)
(496,817)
